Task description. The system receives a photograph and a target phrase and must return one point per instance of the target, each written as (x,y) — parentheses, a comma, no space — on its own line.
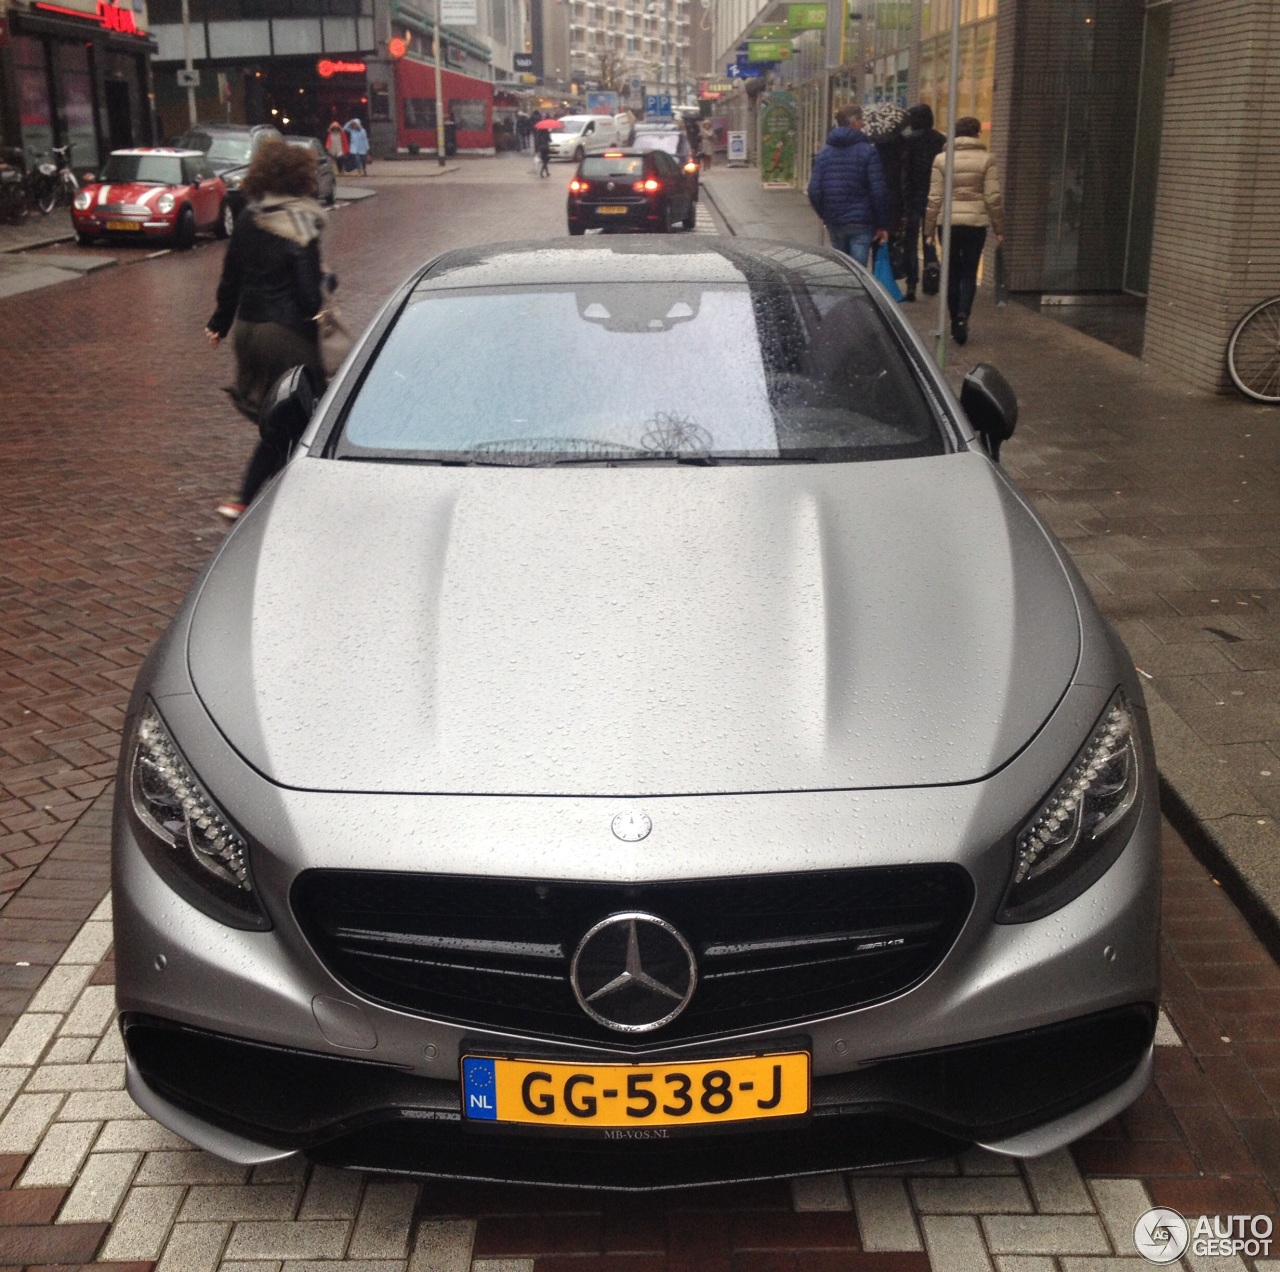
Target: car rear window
(606,166)
(670,142)
(625,372)
(151,169)
(229,152)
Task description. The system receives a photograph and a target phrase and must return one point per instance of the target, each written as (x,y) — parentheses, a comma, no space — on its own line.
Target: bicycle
(1253,353)
(53,184)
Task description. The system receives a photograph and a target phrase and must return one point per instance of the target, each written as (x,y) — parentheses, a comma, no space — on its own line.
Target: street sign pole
(186,55)
(948,184)
(440,92)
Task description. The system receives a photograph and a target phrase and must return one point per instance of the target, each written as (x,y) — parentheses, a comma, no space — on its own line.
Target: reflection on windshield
(225,151)
(571,125)
(638,372)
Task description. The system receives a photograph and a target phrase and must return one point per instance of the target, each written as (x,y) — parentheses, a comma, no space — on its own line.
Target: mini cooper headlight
(183,832)
(232,180)
(1082,827)
(83,200)
(164,203)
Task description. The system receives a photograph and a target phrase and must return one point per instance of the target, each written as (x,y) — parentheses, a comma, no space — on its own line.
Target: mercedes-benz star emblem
(632,826)
(633,972)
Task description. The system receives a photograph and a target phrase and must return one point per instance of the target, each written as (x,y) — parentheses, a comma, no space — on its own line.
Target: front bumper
(148,227)
(357,1113)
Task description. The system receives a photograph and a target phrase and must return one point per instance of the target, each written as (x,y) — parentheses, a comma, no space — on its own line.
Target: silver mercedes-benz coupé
(705,768)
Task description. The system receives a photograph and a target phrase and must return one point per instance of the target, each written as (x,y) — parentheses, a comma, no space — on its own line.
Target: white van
(580,135)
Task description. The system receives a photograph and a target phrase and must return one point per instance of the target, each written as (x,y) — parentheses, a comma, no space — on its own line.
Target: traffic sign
(657,105)
(635,83)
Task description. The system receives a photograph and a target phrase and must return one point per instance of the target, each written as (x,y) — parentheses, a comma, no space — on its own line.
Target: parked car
(676,144)
(580,135)
(151,192)
(631,189)
(230,149)
(709,774)
(326,172)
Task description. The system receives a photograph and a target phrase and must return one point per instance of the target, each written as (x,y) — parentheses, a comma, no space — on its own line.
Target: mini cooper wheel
(226,221)
(185,234)
(85,239)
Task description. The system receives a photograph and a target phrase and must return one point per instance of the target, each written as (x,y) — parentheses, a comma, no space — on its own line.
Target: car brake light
(647,186)
(691,166)
(613,154)
(575,185)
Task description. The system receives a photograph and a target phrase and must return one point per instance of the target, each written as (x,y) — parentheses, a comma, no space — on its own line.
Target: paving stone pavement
(106,522)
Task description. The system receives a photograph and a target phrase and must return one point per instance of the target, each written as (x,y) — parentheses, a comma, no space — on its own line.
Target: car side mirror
(288,407)
(991,405)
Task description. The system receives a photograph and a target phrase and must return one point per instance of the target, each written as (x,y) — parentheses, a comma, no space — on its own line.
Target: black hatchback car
(631,189)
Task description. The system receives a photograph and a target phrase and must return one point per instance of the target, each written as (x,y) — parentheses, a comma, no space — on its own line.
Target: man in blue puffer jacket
(847,189)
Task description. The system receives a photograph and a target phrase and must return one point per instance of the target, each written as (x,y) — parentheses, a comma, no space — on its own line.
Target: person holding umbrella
(542,131)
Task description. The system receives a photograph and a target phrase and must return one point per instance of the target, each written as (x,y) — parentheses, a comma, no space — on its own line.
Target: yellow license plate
(124,225)
(700,1093)
(612,211)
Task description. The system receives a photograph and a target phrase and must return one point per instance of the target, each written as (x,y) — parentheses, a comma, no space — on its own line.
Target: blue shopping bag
(883,271)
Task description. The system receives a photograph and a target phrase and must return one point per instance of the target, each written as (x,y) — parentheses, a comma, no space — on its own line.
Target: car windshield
(227,152)
(768,370)
(670,142)
(613,166)
(570,125)
(148,169)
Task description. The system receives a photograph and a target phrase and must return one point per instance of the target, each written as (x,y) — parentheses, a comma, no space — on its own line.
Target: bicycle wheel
(1253,354)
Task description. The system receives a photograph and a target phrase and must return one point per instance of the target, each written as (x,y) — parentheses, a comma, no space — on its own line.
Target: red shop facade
(468,104)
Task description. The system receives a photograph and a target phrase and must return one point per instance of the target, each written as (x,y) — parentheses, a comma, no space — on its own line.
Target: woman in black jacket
(271,290)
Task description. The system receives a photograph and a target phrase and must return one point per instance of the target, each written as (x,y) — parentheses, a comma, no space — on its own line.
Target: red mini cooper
(153,193)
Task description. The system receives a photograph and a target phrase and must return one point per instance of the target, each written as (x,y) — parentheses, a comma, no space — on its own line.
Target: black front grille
(495,953)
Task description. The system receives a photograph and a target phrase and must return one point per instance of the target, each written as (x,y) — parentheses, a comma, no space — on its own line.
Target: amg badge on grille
(633,972)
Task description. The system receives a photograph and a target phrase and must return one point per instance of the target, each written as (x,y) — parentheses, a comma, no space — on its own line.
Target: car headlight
(185,835)
(1081,828)
(83,200)
(232,181)
(165,203)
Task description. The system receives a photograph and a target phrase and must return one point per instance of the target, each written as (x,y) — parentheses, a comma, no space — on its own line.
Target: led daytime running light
(171,801)
(1094,795)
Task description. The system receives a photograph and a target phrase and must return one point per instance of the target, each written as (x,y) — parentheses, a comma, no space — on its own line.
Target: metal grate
(495,953)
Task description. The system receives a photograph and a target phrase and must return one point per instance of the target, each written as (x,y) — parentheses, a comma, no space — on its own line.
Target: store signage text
(111,17)
(326,69)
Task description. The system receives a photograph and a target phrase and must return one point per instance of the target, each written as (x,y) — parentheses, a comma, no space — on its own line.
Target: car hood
(142,193)
(634,631)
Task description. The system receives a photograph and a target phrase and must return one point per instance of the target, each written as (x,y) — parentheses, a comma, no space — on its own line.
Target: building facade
(76,72)
(1129,133)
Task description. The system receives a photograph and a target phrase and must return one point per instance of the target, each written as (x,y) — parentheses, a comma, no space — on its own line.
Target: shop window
(419,112)
(469,114)
(33,94)
(77,105)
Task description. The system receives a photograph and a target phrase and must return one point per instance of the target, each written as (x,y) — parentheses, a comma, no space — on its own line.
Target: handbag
(1002,277)
(333,337)
(932,278)
(883,271)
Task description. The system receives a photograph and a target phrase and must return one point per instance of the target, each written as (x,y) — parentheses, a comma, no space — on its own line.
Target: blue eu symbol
(479,1093)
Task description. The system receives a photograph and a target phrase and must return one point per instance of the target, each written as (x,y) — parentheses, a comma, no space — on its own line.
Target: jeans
(915,228)
(853,240)
(967,242)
